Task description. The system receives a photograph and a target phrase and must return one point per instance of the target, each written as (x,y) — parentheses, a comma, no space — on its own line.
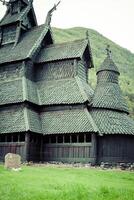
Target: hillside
(122,57)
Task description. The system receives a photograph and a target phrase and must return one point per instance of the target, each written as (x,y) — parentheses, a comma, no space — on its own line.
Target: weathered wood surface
(9,147)
(116,148)
(74,152)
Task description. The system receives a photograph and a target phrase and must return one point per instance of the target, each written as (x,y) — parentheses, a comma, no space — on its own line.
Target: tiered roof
(112,122)
(64,91)
(68,121)
(68,50)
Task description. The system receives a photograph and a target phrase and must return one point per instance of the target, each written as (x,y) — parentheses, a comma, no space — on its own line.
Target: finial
(5,2)
(87,34)
(109,52)
(49,14)
(30,1)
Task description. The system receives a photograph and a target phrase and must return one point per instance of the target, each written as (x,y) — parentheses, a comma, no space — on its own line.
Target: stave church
(48,110)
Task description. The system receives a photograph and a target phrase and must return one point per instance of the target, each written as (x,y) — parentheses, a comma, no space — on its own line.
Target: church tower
(110,113)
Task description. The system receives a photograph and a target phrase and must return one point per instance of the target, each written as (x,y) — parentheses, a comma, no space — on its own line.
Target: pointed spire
(108,64)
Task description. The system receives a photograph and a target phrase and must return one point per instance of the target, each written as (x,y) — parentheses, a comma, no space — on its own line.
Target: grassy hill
(122,57)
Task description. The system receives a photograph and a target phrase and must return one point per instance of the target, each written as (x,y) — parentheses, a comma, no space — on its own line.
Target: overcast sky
(112,18)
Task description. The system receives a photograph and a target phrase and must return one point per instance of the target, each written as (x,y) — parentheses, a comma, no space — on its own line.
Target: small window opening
(88,138)
(74,138)
(67,139)
(81,138)
(2,138)
(60,138)
(9,138)
(22,138)
(46,139)
(15,138)
(53,139)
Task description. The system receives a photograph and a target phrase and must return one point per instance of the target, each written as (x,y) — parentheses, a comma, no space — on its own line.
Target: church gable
(78,49)
(18,19)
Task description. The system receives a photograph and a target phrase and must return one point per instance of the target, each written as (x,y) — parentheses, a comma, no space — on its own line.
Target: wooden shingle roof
(108,65)
(64,91)
(18,17)
(67,121)
(66,50)
(109,96)
(112,122)
(26,47)
(12,119)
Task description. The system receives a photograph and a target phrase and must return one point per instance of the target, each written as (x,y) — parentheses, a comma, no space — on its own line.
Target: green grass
(47,183)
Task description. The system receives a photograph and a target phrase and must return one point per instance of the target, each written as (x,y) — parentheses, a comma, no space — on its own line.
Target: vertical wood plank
(93,152)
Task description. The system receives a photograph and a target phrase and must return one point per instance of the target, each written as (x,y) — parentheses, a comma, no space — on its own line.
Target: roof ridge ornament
(49,14)
(109,52)
(87,34)
(5,2)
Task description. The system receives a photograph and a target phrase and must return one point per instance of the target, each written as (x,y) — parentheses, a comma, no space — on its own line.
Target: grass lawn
(48,183)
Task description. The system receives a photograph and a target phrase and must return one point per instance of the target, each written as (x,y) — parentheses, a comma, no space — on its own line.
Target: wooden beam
(26,149)
(93,152)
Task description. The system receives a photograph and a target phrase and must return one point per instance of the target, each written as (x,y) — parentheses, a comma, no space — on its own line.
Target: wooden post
(18,137)
(70,138)
(93,152)
(5,138)
(26,149)
(42,148)
(77,138)
(56,139)
(49,139)
(84,138)
(11,138)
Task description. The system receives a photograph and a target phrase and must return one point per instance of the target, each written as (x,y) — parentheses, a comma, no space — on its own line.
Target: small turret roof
(108,65)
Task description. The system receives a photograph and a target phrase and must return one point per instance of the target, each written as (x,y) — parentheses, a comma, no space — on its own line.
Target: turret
(108,93)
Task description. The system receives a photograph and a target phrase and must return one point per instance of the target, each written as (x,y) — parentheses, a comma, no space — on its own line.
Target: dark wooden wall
(115,149)
(13,143)
(67,153)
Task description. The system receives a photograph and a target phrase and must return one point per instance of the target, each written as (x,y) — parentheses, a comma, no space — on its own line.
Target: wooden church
(48,111)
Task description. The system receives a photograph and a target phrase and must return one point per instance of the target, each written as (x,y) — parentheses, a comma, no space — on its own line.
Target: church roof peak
(108,63)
